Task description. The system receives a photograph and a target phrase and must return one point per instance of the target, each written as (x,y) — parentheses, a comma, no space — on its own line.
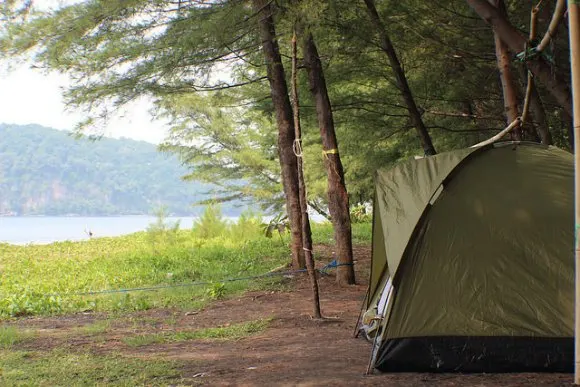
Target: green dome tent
(472,262)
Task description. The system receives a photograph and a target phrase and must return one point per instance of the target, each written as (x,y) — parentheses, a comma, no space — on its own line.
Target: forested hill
(48,172)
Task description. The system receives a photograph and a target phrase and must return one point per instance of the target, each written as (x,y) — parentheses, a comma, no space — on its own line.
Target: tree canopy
(201,62)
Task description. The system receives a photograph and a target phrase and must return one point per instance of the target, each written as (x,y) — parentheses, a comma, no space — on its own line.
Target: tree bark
(401,80)
(567,120)
(539,114)
(306,232)
(510,96)
(536,105)
(532,100)
(283,111)
(516,42)
(338,202)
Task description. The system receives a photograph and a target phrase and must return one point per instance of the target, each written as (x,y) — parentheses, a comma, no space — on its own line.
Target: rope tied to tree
(531,52)
(297,147)
(535,47)
(333,264)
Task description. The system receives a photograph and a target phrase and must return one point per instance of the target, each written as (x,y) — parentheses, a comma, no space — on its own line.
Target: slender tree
(401,80)
(338,201)
(510,95)
(284,119)
(306,232)
(532,100)
(539,114)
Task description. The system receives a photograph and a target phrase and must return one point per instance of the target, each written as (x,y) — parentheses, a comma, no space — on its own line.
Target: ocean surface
(41,230)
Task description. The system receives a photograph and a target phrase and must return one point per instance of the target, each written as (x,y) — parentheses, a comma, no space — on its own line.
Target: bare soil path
(295,350)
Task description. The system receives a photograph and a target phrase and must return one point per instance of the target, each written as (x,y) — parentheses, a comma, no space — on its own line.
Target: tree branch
(516,123)
(516,42)
(318,209)
(556,18)
(463,115)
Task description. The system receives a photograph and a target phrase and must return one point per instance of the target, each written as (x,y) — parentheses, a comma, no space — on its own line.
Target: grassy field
(232,332)
(46,279)
(63,368)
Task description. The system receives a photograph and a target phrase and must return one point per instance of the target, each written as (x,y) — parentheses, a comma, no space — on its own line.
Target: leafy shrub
(278,223)
(247,227)
(216,291)
(162,231)
(360,214)
(211,224)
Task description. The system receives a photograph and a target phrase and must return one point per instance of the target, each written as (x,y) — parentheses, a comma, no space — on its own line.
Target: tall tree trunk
(532,100)
(516,42)
(338,202)
(536,106)
(567,120)
(510,96)
(306,232)
(283,110)
(401,79)
(539,113)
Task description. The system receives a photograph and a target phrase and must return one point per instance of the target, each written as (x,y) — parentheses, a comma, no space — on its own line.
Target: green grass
(38,280)
(362,233)
(10,335)
(96,328)
(62,368)
(231,332)
(324,233)
(43,279)
(143,340)
(31,275)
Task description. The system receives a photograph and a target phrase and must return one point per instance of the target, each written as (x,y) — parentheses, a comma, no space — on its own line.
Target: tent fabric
(400,198)
(491,354)
(488,261)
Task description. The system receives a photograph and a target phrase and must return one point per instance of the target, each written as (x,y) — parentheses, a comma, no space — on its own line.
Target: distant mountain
(44,171)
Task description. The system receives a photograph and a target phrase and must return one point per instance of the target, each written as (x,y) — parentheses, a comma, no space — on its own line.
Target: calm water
(23,230)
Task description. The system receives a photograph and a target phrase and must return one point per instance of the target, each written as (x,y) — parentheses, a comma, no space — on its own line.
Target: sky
(29,96)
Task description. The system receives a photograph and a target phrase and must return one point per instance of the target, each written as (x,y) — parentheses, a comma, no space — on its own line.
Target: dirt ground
(295,350)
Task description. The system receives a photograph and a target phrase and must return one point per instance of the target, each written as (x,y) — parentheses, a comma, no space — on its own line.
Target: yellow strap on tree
(330,152)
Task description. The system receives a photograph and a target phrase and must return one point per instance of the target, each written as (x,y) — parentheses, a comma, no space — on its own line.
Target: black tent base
(477,354)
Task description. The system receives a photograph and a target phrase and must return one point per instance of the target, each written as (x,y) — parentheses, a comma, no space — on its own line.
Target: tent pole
(373,351)
(574,22)
(363,307)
